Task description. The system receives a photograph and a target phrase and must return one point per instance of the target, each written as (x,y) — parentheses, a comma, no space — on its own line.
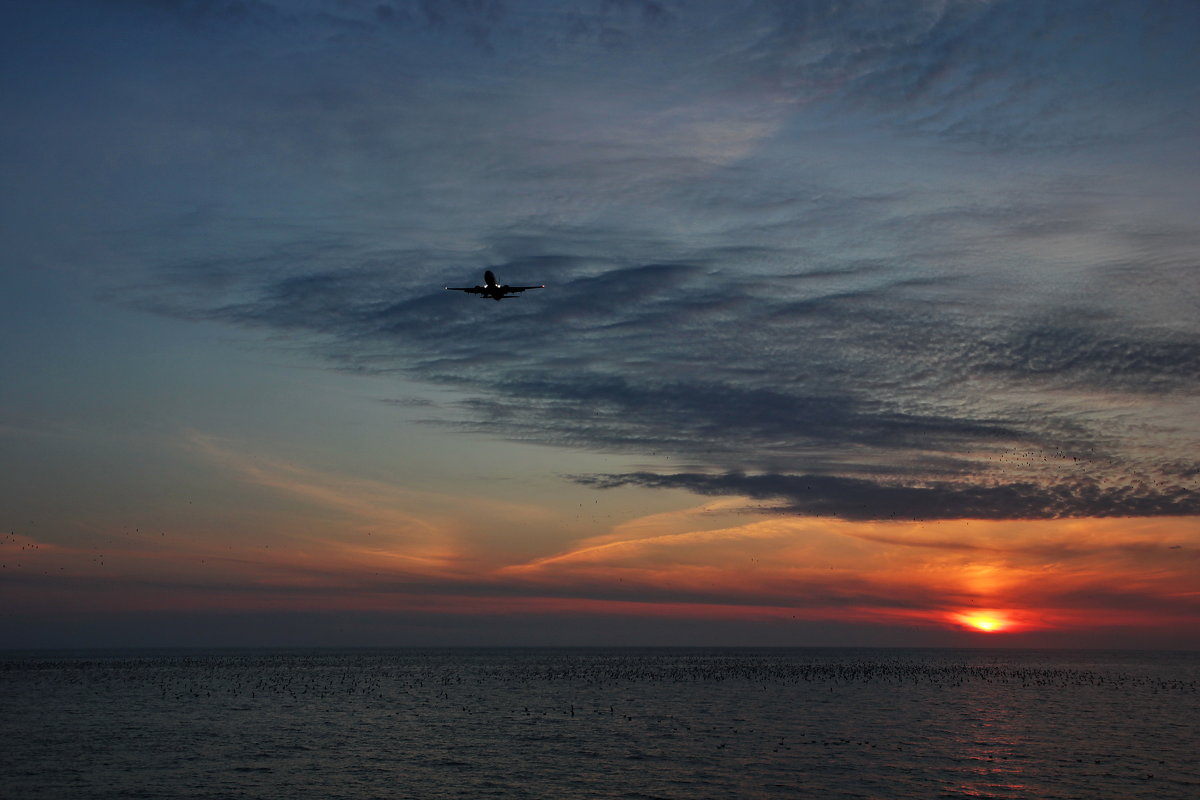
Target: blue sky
(818,275)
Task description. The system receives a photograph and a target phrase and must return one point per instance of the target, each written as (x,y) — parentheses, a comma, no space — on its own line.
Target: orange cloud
(337,542)
(1031,575)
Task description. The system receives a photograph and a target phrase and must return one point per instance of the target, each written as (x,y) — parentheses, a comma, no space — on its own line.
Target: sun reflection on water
(992,753)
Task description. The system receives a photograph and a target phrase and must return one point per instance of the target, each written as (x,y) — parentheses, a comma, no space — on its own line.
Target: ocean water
(603,723)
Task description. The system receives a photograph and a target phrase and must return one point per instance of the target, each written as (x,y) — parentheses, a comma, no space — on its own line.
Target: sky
(865,323)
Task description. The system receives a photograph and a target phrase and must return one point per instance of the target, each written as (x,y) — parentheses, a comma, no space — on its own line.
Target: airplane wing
(493,292)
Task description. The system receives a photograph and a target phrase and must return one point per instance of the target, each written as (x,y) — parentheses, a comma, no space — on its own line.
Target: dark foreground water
(600,723)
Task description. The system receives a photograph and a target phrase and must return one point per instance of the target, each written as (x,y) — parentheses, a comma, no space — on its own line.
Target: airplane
(496,291)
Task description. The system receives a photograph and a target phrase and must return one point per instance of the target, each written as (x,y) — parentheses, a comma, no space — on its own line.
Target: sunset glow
(986,622)
(860,324)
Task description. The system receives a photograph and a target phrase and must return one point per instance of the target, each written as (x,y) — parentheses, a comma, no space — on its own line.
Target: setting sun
(988,623)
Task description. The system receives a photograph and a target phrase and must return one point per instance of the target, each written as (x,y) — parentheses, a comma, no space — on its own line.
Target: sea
(600,723)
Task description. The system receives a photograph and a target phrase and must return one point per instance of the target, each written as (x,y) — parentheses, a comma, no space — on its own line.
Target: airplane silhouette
(491,289)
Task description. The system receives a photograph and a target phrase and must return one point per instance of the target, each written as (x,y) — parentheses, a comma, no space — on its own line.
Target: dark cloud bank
(858,499)
(854,405)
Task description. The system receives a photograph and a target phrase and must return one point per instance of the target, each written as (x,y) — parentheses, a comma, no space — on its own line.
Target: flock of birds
(383,673)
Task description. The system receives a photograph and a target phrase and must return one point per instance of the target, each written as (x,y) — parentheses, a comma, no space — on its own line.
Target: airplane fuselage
(490,287)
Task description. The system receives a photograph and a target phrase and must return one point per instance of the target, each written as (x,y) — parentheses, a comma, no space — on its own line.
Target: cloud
(1075,350)
(399,532)
(1005,74)
(847,374)
(912,571)
(860,499)
(764,258)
